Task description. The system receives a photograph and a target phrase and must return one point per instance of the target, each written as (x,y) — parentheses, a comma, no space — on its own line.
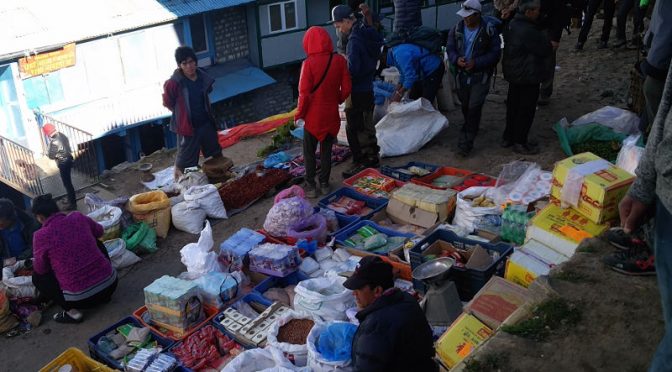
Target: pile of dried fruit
(245,190)
(295,331)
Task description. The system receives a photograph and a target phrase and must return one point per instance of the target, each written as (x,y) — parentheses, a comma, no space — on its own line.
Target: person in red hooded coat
(324,84)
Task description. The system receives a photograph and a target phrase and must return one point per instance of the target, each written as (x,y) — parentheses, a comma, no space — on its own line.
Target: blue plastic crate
(250,297)
(351,230)
(468,281)
(100,356)
(375,204)
(273,282)
(395,172)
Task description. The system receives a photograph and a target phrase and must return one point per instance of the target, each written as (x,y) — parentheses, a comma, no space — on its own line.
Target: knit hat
(49,129)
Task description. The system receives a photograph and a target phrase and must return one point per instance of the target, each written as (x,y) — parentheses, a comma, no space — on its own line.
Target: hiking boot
(526,149)
(356,168)
(619,239)
(602,45)
(578,46)
(634,43)
(311,191)
(325,189)
(619,43)
(373,162)
(631,262)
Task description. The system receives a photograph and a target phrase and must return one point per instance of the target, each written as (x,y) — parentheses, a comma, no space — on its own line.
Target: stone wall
(230,26)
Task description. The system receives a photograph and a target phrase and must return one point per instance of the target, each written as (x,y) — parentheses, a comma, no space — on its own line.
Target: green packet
(367,231)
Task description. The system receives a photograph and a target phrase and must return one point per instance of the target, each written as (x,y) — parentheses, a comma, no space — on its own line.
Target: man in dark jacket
(554,16)
(362,52)
(474,49)
(16,231)
(186,95)
(59,150)
(527,56)
(393,333)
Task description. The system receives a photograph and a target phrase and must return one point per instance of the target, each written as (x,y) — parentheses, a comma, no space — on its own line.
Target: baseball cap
(340,12)
(371,270)
(49,129)
(469,7)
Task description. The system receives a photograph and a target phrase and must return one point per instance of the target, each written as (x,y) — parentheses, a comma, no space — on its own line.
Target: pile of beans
(295,331)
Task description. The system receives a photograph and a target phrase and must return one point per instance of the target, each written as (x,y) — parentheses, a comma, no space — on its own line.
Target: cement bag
(208,199)
(324,297)
(408,126)
(297,353)
(466,215)
(18,286)
(285,213)
(630,154)
(110,218)
(188,217)
(119,255)
(269,359)
(620,120)
(153,208)
(198,257)
(330,347)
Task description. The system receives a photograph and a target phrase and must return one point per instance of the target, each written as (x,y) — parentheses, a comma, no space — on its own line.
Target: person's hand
(555,44)
(506,13)
(632,212)
(469,65)
(396,97)
(364,8)
(461,62)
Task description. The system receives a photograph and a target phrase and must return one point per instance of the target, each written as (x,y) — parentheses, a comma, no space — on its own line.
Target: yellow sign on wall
(45,63)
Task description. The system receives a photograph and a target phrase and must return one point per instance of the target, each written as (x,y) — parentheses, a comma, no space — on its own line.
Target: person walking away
(16,233)
(59,150)
(420,71)
(393,333)
(651,193)
(69,267)
(474,49)
(324,84)
(624,8)
(554,16)
(527,54)
(593,7)
(362,53)
(185,94)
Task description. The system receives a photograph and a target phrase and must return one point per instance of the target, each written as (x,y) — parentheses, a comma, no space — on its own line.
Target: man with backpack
(474,49)
(362,52)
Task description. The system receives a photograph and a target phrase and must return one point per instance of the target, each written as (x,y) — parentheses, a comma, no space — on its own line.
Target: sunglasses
(468,8)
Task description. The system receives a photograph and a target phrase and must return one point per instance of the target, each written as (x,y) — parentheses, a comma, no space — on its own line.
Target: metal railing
(18,168)
(81,145)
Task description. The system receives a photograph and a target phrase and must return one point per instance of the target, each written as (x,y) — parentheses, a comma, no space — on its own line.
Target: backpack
(422,36)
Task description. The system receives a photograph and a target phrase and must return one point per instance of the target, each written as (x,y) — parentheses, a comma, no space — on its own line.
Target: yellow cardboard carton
(524,269)
(461,339)
(601,191)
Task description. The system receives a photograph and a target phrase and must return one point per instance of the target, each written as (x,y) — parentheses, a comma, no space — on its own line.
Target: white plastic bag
(199,257)
(188,217)
(620,120)
(465,214)
(18,286)
(315,360)
(630,154)
(324,297)
(269,359)
(191,179)
(107,216)
(298,353)
(408,126)
(119,255)
(208,199)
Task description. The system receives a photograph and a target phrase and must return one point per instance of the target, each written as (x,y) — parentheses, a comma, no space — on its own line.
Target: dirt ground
(621,319)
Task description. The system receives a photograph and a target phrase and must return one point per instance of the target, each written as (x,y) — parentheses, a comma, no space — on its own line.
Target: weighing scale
(441,303)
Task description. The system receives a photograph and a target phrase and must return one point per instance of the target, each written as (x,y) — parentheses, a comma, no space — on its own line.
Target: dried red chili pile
(206,348)
(295,331)
(243,191)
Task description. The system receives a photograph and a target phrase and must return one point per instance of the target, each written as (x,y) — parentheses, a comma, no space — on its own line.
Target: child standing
(323,85)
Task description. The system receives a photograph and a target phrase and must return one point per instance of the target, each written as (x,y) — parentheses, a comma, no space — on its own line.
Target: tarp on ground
(232,136)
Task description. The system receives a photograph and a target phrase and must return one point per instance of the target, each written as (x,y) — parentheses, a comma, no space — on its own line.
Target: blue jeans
(662,360)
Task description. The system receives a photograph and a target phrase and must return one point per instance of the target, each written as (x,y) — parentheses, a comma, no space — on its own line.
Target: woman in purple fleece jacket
(69,268)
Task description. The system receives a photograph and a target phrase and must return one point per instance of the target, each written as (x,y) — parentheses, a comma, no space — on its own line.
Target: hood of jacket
(369,37)
(317,41)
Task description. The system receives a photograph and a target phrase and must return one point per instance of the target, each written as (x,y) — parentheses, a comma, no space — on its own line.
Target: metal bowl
(433,268)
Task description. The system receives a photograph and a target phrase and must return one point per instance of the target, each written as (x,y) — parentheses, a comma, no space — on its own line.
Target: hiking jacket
(59,148)
(660,33)
(413,62)
(527,55)
(654,172)
(407,14)
(28,227)
(176,99)
(320,109)
(393,335)
(486,50)
(363,51)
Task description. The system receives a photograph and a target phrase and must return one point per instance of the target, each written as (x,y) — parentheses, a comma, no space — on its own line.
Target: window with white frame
(282,16)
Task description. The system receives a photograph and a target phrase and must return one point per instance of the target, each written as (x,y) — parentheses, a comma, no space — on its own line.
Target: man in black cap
(393,333)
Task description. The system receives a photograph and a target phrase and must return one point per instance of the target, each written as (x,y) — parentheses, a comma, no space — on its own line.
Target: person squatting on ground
(69,266)
(362,53)
(652,193)
(324,84)
(59,150)
(474,49)
(185,94)
(393,333)
(16,232)
(593,7)
(526,60)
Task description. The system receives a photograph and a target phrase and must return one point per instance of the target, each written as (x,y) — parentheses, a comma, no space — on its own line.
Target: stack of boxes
(174,304)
